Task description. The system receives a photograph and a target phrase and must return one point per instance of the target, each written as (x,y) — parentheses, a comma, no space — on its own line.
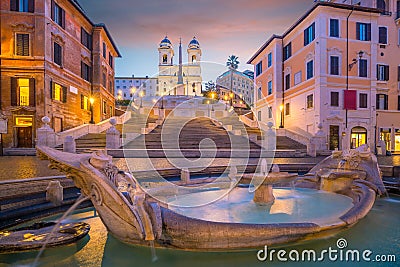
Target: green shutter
(82,104)
(65,93)
(51,89)
(14,91)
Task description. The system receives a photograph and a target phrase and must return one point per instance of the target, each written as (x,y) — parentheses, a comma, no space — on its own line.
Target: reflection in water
(104,250)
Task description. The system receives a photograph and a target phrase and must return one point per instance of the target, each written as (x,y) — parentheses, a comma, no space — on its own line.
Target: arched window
(165,59)
(194,59)
(382,5)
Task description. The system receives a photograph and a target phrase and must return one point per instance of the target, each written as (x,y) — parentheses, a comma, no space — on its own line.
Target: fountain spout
(342,164)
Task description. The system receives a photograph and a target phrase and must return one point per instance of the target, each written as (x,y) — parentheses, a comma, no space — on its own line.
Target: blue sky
(223,27)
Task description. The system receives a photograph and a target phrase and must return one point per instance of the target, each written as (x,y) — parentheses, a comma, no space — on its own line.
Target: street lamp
(281,109)
(226,102)
(208,103)
(231,98)
(141,98)
(91,100)
(212,97)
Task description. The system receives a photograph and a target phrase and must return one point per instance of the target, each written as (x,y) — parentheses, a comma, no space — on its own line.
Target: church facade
(182,78)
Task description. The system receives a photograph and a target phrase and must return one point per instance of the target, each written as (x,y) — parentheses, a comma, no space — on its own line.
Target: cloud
(221,26)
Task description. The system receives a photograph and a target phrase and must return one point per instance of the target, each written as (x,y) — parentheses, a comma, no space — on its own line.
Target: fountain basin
(338,180)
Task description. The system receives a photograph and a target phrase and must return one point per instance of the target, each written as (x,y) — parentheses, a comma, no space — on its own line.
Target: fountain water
(135,218)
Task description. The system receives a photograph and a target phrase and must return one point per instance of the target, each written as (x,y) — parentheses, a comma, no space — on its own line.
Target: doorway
(358,137)
(24,137)
(333,137)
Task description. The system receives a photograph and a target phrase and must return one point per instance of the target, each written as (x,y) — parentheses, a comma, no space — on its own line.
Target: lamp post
(162,100)
(226,102)
(208,103)
(281,109)
(141,98)
(212,97)
(133,91)
(91,100)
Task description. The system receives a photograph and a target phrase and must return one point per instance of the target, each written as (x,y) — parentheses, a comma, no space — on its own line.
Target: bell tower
(166,53)
(194,52)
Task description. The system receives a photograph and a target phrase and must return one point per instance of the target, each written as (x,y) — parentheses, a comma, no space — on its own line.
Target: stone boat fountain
(134,217)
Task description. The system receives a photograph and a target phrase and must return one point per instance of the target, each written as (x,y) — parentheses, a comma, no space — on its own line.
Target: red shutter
(350,99)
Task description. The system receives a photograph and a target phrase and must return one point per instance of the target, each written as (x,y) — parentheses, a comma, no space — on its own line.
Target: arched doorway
(358,137)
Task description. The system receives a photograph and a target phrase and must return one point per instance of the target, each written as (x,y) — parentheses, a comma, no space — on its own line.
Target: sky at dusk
(223,27)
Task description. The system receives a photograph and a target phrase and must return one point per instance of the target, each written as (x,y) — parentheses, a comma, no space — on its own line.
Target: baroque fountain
(347,181)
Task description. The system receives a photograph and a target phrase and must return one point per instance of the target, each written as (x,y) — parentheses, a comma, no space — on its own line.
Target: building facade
(54,59)
(127,88)
(319,75)
(241,83)
(183,78)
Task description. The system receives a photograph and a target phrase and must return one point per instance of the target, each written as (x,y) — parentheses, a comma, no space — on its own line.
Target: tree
(233,62)
(211,90)
(210,86)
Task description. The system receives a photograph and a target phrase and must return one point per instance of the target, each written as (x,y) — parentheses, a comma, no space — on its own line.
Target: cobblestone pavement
(12,168)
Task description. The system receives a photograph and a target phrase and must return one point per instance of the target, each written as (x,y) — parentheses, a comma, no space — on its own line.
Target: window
(287,109)
(398,73)
(22,92)
(22,5)
(398,102)
(269,59)
(287,51)
(58,92)
(110,60)
(363,68)
(104,80)
(259,68)
(297,78)
(86,39)
(23,85)
(270,112)
(382,101)
(165,59)
(259,116)
(269,87)
(310,69)
(259,94)
(363,101)
(22,44)
(86,72)
(310,101)
(57,54)
(111,111)
(382,72)
(309,34)
(334,28)
(287,81)
(334,65)
(383,35)
(85,102)
(57,14)
(363,31)
(104,50)
(104,107)
(334,99)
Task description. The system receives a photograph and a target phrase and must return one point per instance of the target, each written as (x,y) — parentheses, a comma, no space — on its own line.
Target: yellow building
(334,72)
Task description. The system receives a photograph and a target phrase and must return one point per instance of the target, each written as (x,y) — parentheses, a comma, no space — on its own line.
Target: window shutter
(386,73)
(398,73)
(62,18)
(377,72)
(13,5)
(64,92)
(13,91)
(25,44)
(82,104)
(305,37)
(32,92)
(313,30)
(358,26)
(51,89)
(52,9)
(377,102)
(386,102)
(369,32)
(31,6)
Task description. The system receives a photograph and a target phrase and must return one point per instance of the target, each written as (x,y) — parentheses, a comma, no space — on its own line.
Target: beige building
(54,59)
(183,78)
(301,76)
(241,84)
